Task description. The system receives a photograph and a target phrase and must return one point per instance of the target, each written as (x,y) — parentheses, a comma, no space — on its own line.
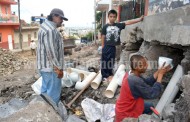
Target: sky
(79,12)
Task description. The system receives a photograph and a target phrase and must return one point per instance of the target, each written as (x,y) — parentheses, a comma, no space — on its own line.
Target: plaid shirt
(50,50)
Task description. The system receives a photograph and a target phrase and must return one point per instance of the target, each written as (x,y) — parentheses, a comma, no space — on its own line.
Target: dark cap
(58,12)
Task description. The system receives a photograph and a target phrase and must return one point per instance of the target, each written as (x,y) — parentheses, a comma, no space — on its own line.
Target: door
(10,42)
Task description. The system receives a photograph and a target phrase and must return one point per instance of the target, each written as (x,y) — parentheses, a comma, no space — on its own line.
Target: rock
(73,118)
(36,111)
(182,105)
(168,112)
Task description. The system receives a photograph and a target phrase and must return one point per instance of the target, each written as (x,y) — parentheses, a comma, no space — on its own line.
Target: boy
(135,89)
(33,47)
(110,38)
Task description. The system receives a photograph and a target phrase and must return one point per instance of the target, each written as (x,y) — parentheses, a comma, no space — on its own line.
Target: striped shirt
(50,50)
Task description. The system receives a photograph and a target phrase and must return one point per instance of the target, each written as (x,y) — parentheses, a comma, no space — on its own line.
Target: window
(35,35)
(0,37)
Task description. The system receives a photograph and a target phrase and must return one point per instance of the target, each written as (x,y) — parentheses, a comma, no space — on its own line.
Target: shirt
(132,94)
(50,50)
(112,33)
(33,45)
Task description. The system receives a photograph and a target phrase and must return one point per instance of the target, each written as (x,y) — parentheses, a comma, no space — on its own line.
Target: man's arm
(49,42)
(133,21)
(148,92)
(103,39)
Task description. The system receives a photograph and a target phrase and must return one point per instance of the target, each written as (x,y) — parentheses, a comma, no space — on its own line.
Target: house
(8,22)
(28,33)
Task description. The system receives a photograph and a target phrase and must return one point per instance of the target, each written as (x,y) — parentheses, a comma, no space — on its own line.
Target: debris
(10,62)
(95,111)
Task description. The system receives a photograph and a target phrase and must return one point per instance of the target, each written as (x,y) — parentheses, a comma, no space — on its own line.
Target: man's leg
(54,88)
(51,85)
(111,58)
(147,106)
(104,61)
(31,51)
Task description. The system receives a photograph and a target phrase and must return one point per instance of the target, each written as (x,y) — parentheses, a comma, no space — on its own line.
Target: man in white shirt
(33,47)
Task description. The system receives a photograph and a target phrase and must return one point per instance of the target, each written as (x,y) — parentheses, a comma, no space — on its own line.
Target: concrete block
(170,27)
(36,111)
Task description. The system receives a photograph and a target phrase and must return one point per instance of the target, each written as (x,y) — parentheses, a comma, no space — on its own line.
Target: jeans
(147,109)
(107,60)
(51,85)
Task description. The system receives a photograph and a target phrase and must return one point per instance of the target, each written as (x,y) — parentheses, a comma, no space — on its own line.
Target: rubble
(10,62)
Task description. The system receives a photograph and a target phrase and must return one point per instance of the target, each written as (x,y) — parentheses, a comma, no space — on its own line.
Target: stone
(37,111)
(182,105)
(168,112)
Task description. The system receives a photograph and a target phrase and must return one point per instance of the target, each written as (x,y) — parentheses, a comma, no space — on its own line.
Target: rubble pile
(10,62)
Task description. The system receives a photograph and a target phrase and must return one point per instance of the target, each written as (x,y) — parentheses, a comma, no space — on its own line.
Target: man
(50,54)
(33,47)
(135,89)
(110,39)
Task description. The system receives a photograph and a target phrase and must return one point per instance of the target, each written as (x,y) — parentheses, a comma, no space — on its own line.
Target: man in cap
(50,54)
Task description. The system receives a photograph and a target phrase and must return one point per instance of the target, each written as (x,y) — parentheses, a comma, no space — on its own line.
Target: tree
(99,20)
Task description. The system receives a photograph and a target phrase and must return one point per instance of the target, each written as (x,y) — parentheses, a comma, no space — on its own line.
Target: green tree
(99,20)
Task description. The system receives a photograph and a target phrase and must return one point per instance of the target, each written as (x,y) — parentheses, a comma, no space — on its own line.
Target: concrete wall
(26,40)
(5,31)
(159,6)
(169,28)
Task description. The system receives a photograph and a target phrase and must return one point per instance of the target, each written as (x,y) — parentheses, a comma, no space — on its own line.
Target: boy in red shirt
(135,89)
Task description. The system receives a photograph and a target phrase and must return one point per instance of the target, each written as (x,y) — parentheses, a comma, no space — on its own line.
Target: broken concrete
(182,105)
(186,61)
(36,111)
(168,112)
(170,27)
(142,118)
(11,107)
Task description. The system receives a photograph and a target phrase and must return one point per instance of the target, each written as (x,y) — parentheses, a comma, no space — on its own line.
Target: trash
(37,86)
(66,81)
(95,111)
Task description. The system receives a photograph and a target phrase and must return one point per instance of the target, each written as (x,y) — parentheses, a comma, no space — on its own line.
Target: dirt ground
(18,84)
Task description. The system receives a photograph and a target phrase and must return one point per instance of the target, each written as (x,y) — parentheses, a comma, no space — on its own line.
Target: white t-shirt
(33,45)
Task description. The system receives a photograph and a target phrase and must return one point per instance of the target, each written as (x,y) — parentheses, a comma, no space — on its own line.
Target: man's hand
(58,72)
(164,69)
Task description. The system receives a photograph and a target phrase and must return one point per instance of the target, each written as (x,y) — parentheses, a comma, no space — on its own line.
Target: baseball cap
(58,12)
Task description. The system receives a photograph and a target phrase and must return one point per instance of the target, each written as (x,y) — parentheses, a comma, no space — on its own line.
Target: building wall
(5,31)
(26,39)
(5,9)
(159,6)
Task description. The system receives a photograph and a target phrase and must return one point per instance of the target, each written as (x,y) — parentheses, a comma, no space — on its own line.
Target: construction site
(164,32)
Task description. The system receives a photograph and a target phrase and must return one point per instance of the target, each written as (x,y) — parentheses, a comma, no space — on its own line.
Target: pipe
(96,82)
(87,80)
(120,77)
(86,73)
(110,91)
(171,90)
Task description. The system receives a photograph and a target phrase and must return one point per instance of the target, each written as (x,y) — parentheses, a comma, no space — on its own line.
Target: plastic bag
(96,111)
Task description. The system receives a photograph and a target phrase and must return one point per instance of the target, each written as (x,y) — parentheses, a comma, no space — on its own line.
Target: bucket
(168,61)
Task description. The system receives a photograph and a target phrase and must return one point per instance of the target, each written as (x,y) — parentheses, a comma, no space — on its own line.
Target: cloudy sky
(79,12)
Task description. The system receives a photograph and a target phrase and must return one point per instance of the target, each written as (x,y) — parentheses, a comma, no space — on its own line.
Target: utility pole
(20,26)
(95,21)
(111,5)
